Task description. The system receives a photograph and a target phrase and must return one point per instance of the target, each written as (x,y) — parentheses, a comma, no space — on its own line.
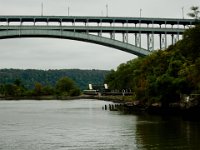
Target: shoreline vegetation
(28,77)
(166,81)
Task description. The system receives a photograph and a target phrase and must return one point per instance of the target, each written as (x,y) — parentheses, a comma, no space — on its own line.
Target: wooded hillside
(49,77)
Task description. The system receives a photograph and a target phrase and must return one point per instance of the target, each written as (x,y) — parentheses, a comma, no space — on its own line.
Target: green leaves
(195,12)
(66,86)
(163,75)
(49,77)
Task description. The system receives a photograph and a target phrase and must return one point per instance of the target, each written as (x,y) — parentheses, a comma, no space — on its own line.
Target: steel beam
(74,36)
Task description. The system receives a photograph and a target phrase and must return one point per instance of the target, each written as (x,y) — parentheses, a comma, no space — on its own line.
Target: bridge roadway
(82,29)
(97,19)
(97,29)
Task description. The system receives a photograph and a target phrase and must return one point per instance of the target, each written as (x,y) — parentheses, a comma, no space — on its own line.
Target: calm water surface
(83,125)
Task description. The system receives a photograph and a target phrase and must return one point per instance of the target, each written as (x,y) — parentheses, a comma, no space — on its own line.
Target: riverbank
(49,97)
(115,99)
(129,105)
(189,110)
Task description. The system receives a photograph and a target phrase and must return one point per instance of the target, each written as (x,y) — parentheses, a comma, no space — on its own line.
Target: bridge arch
(25,33)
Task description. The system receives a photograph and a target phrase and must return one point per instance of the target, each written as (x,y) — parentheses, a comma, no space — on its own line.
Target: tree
(48,90)
(189,47)
(38,89)
(2,90)
(163,76)
(11,90)
(74,92)
(64,85)
(17,82)
(195,12)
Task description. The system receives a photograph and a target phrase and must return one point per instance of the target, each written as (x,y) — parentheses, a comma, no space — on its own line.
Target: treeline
(49,77)
(63,87)
(163,76)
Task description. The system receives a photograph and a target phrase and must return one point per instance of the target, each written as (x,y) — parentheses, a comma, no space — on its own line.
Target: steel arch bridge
(99,30)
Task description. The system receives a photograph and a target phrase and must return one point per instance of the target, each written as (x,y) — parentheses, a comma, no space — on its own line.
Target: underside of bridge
(33,33)
(138,36)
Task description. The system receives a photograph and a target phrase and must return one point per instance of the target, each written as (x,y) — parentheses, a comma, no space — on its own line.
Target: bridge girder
(31,33)
(81,28)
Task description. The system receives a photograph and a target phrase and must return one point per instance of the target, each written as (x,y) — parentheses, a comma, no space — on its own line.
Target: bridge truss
(138,36)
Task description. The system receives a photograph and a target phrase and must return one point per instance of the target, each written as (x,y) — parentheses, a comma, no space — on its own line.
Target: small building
(95,89)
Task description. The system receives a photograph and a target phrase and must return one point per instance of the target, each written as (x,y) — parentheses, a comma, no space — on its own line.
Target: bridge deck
(97,19)
(97,29)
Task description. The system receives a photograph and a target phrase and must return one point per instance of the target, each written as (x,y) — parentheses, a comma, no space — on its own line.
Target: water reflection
(158,133)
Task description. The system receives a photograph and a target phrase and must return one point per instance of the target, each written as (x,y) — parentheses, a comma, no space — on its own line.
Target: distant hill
(49,77)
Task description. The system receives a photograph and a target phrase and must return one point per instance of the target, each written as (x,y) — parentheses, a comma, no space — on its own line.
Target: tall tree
(38,89)
(64,85)
(195,12)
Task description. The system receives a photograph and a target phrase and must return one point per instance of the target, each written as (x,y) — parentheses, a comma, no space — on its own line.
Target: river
(83,125)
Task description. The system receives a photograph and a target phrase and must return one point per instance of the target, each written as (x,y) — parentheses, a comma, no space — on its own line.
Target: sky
(46,53)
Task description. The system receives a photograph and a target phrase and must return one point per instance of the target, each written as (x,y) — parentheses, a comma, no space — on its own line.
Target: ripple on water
(83,125)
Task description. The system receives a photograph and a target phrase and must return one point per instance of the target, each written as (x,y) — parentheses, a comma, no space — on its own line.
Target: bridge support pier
(150,42)
(138,40)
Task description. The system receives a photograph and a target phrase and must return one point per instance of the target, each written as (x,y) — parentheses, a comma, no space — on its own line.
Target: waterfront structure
(128,34)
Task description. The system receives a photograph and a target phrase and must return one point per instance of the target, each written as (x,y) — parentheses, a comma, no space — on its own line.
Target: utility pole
(140,12)
(183,12)
(68,10)
(42,9)
(106,10)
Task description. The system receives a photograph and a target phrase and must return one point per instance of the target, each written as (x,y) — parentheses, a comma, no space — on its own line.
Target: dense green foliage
(163,76)
(64,87)
(18,83)
(49,78)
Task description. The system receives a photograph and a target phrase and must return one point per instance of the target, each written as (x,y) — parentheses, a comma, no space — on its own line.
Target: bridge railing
(148,33)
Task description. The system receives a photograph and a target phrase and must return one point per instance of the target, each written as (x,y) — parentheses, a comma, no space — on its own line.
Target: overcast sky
(66,54)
